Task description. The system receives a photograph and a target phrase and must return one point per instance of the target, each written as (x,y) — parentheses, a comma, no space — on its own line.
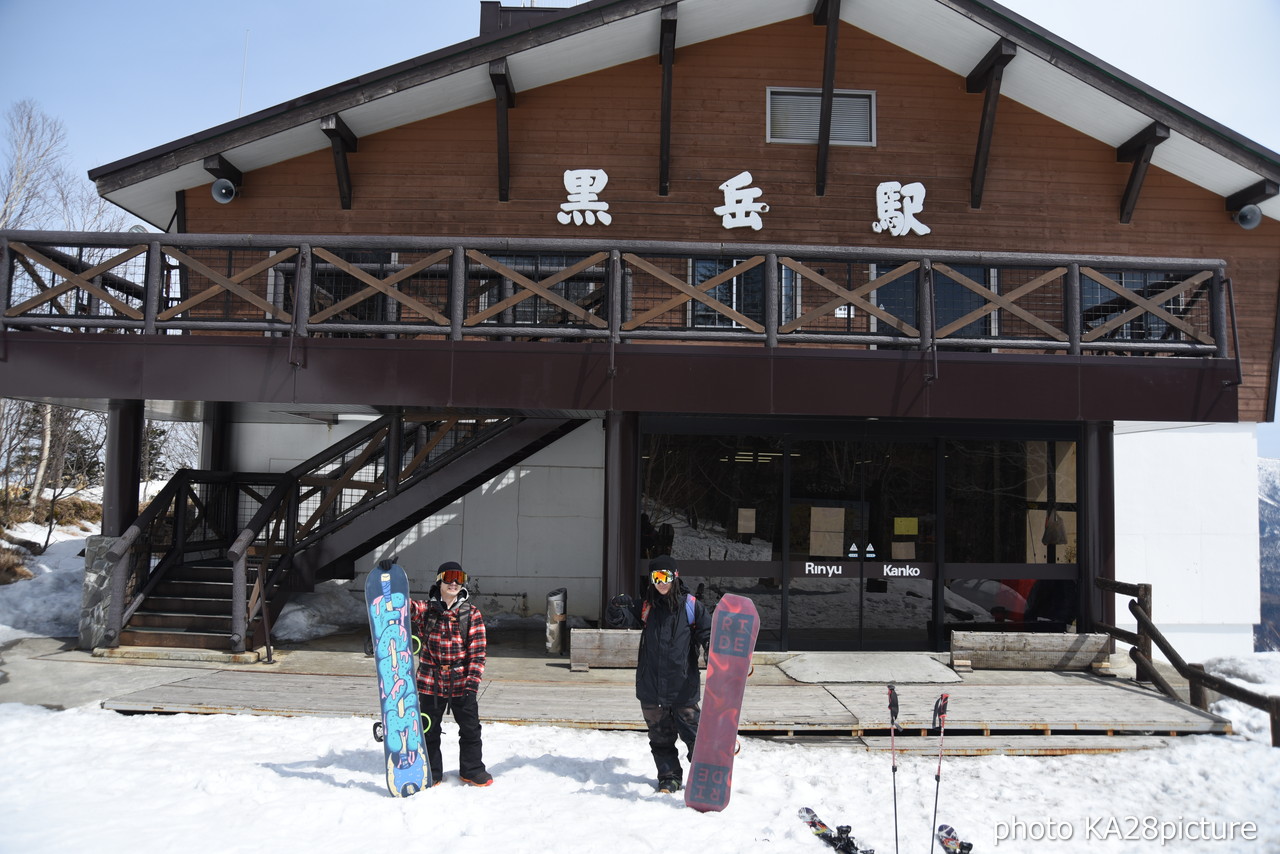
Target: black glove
(616,613)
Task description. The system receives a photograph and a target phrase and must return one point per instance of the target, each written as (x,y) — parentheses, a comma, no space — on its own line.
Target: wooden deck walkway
(989,712)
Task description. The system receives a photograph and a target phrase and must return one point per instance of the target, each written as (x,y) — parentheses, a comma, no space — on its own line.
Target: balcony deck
(576,326)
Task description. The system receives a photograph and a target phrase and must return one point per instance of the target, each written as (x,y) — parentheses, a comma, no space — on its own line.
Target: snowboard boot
(669,785)
(480,778)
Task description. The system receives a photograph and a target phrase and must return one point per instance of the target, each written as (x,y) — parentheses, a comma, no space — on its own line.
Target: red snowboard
(734,627)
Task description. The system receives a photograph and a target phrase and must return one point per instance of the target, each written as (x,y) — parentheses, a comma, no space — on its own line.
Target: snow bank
(47,605)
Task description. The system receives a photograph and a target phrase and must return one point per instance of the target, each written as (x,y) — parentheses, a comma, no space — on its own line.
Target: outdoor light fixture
(226,178)
(1248,217)
(224,191)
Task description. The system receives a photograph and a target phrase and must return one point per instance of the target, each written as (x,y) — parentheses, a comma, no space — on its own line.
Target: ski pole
(939,723)
(893,755)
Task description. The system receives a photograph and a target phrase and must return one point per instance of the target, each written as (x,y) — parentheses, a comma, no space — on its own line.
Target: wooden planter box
(603,648)
(1028,651)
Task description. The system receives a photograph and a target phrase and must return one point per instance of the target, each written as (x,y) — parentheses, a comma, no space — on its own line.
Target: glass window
(1103,306)
(488,288)
(1011,510)
(952,300)
(744,294)
(794,115)
(712,503)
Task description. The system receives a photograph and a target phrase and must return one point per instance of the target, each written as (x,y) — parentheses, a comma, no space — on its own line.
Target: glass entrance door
(860,561)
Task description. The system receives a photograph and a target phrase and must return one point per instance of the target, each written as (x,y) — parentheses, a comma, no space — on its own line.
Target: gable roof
(1047,74)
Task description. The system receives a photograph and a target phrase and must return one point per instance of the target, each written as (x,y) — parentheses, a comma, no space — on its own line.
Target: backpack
(432,619)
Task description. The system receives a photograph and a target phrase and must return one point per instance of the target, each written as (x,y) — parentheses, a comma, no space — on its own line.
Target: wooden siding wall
(1048,187)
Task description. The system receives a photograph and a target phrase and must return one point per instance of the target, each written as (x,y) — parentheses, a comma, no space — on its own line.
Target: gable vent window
(794,115)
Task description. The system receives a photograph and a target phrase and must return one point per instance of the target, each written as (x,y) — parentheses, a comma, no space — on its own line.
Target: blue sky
(116,72)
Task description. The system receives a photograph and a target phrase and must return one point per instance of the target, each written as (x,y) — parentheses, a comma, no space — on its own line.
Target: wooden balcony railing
(545,289)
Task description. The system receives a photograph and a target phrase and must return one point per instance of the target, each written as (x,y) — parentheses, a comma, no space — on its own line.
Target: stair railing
(374,464)
(274,517)
(312,500)
(1199,681)
(189,517)
(139,554)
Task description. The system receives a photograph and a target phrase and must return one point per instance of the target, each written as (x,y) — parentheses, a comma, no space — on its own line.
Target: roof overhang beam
(219,167)
(986,77)
(504,93)
(666,56)
(1138,151)
(1254,194)
(343,142)
(826,13)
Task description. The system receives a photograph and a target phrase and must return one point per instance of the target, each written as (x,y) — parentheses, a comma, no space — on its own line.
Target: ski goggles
(452,576)
(662,576)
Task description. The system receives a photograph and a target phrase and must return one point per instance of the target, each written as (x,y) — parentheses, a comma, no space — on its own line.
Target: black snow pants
(466,713)
(665,724)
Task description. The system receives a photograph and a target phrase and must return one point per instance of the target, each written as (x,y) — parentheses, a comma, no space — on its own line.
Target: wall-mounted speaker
(223,191)
(1248,217)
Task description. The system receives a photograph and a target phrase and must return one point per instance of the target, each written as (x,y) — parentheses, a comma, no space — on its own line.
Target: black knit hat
(447,566)
(664,562)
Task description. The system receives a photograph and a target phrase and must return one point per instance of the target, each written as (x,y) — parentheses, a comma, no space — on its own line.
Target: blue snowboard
(386,598)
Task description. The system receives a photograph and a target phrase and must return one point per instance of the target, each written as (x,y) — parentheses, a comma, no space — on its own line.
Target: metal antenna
(243,72)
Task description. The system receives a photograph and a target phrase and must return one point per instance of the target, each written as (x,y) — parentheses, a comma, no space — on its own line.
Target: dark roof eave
(358,90)
(1111,80)
(596,13)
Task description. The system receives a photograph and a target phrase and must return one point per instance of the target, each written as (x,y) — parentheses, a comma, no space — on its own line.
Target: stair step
(194,590)
(181,621)
(190,640)
(192,572)
(187,605)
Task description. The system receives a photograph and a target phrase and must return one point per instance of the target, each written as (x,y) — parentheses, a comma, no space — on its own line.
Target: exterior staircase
(216,550)
(191,608)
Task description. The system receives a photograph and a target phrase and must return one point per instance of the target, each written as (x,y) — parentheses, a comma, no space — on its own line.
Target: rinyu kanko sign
(897,204)
(868,569)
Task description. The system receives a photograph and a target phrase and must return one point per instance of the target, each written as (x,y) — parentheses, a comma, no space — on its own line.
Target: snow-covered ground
(92,780)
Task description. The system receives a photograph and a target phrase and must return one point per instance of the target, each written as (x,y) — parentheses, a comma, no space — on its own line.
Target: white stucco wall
(538,527)
(277,448)
(1187,523)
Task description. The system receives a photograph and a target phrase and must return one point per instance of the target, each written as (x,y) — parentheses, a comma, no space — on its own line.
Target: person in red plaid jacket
(450,667)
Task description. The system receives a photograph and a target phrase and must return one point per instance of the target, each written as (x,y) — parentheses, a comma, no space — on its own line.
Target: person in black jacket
(668,683)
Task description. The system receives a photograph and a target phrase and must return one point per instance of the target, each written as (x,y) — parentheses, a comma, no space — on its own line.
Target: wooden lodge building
(897,316)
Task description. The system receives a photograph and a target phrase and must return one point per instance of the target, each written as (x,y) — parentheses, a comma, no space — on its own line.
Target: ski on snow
(839,838)
(948,840)
(951,842)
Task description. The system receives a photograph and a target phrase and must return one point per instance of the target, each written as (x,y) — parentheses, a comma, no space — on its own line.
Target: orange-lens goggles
(662,576)
(453,576)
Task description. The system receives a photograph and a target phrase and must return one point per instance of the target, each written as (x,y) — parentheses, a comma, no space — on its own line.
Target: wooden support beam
(1138,151)
(342,141)
(830,10)
(986,77)
(1253,195)
(505,95)
(219,167)
(667,56)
